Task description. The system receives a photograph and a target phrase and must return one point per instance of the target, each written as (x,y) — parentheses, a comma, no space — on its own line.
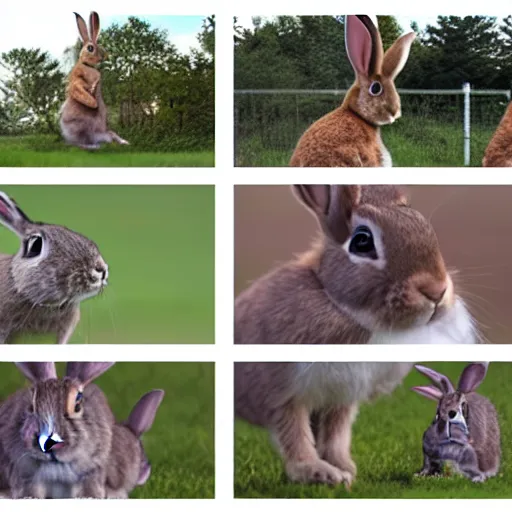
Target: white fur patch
(330,384)
(385,155)
(454,327)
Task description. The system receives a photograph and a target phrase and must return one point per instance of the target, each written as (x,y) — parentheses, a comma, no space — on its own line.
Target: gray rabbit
(465,430)
(42,285)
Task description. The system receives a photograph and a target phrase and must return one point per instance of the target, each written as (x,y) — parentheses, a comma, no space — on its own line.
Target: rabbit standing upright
(42,285)
(83,119)
(55,436)
(465,430)
(349,136)
(128,465)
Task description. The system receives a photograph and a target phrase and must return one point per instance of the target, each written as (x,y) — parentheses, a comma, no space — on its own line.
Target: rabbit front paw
(318,471)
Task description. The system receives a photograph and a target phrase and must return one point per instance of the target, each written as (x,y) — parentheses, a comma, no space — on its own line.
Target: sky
(405,21)
(54,31)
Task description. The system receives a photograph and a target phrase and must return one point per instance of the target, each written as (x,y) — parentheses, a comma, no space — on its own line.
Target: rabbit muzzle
(49,441)
(456,429)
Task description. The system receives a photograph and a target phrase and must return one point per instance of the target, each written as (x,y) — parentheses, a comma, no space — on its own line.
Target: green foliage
(386,447)
(33,91)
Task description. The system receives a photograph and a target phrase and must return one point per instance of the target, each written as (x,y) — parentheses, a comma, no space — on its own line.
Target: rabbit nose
(49,442)
(434,291)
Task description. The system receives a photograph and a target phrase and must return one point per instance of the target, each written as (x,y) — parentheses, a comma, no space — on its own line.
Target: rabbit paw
(478,478)
(123,141)
(345,463)
(318,471)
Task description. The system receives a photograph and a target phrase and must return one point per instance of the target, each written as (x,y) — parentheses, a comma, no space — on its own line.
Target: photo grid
(181,323)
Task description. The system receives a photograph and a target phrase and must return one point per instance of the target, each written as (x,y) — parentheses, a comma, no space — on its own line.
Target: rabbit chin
(86,295)
(454,326)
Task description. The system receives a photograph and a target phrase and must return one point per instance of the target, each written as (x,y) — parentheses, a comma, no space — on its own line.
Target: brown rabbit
(350,135)
(55,437)
(83,119)
(129,466)
(376,275)
(43,284)
(499,151)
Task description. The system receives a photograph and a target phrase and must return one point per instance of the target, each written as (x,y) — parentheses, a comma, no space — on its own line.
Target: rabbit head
(65,420)
(452,410)
(54,265)
(91,53)
(374,96)
(379,259)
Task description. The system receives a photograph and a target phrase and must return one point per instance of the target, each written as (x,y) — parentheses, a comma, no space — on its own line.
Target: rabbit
(42,285)
(128,465)
(83,116)
(376,275)
(465,430)
(55,437)
(309,409)
(349,136)
(499,150)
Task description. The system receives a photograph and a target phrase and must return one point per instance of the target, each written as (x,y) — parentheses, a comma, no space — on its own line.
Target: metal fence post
(466,88)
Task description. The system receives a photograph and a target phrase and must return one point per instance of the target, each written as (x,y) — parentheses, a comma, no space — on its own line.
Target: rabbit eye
(33,246)
(78,401)
(362,243)
(90,48)
(375,88)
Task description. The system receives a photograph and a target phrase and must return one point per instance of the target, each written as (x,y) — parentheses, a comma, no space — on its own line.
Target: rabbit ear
(94,26)
(143,414)
(440,380)
(429,391)
(38,372)
(363,44)
(332,205)
(396,56)
(86,372)
(82,27)
(11,215)
(472,377)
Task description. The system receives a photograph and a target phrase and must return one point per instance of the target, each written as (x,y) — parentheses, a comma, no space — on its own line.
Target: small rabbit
(83,118)
(286,398)
(376,275)
(42,285)
(465,430)
(128,465)
(55,437)
(349,136)
(499,150)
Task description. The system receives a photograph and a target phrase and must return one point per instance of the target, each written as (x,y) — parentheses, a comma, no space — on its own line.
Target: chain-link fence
(268,124)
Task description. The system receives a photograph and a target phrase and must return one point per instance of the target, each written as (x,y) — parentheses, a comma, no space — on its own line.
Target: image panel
(386,264)
(107,264)
(93,430)
(106,90)
(372,91)
(372,430)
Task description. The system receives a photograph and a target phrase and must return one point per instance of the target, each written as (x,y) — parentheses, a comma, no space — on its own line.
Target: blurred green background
(159,244)
(386,447)
(180,445)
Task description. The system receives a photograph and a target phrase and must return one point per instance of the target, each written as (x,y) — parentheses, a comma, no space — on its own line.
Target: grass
(412,143)
(159,244)
(180,445)
(386,448)
(49,151)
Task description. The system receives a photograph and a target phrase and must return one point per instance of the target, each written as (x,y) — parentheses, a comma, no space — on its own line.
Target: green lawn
(180,445)
(50,151)
(159,244)
(411,142)
(386,448)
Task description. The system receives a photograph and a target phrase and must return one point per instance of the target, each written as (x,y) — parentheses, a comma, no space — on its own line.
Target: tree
(389,29)
(207,36)
(34,88)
